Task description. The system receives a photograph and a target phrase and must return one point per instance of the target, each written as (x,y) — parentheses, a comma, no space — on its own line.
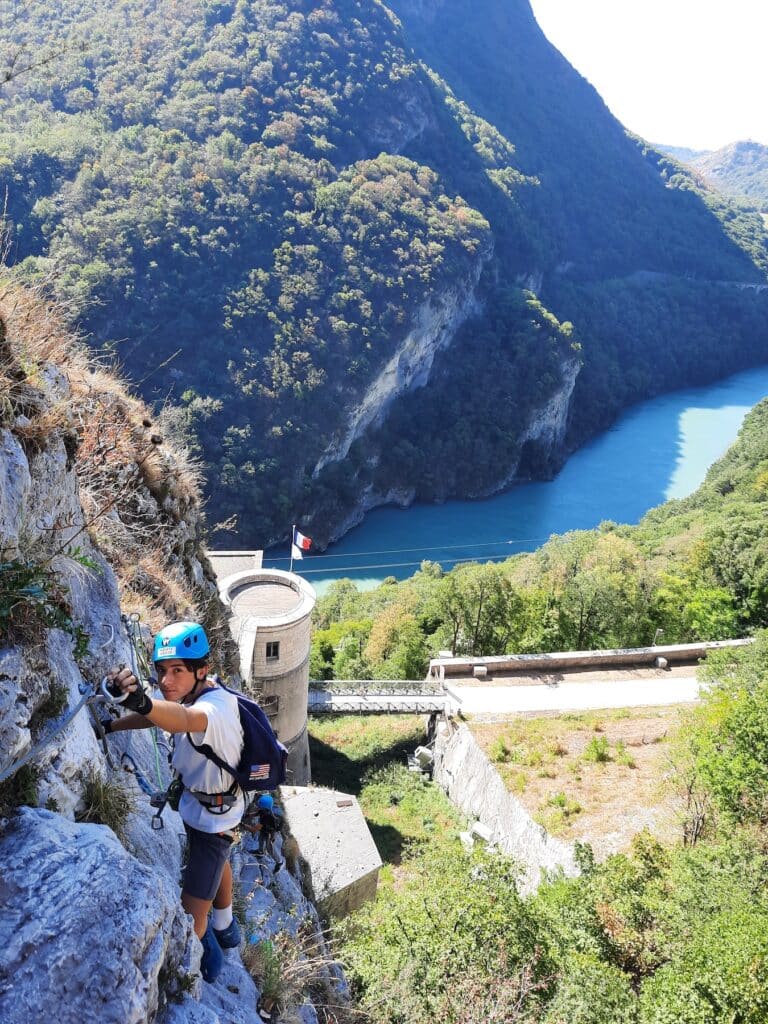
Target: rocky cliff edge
(100,516)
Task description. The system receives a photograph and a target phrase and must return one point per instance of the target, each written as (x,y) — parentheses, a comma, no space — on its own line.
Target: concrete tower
(271,612)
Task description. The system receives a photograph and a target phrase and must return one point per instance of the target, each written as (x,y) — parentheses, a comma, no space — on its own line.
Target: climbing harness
(217,803)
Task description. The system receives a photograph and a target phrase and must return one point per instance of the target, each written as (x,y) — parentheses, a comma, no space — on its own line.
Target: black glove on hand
(138,701)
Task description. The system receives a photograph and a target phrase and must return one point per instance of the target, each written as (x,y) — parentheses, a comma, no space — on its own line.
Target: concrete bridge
(561,681)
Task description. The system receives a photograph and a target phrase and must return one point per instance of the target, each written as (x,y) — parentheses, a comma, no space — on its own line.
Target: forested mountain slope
(738,170)
(311,225)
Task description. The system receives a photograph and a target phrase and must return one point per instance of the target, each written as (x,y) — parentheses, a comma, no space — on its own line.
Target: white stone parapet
(505,664)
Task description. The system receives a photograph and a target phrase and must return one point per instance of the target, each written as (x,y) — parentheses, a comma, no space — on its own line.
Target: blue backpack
(262,764)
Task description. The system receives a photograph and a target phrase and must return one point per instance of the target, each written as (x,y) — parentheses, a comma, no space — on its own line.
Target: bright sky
(677,72)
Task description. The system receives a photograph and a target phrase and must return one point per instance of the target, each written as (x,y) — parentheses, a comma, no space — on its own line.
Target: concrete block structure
(270,620)
(336,845)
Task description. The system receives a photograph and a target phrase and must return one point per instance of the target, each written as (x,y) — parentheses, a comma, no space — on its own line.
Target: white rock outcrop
(15,486)
(547,427)
(87,932)
(368,500)
(434,327)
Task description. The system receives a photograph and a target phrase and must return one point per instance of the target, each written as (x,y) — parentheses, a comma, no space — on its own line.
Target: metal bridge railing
(333,703)
(367,687)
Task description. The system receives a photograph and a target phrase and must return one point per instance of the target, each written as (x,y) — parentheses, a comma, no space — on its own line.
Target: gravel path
(582,696)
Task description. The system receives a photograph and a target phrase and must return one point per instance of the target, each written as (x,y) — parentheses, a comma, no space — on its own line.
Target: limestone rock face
(391,133)
(87,931)
(15,486)
(370,499)
(434,328)
(546,429)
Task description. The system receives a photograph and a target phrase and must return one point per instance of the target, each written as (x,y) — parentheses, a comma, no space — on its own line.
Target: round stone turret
(271,611)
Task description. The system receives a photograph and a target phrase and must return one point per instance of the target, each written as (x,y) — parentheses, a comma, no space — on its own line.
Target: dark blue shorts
(207,853)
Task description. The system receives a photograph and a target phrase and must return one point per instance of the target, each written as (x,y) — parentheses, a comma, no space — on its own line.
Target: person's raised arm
(163,713)
(126,723)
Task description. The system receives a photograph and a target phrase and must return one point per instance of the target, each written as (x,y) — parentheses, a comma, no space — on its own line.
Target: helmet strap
(194,693)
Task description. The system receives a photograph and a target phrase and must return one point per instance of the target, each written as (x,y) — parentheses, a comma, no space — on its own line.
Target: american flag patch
(259,771)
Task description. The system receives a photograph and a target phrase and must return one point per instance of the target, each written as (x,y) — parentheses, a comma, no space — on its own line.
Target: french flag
(300,544)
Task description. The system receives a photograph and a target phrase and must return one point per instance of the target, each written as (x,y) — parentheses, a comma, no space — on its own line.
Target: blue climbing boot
(213,959)
(229,937)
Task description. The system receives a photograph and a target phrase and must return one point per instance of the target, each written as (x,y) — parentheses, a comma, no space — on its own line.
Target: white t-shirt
(225,735)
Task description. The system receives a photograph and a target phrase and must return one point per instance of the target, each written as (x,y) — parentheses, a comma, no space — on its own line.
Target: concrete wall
(440,668)
(475,787)
(336,845)
(346,901)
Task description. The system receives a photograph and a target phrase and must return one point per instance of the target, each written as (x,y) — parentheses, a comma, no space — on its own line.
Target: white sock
(221,919)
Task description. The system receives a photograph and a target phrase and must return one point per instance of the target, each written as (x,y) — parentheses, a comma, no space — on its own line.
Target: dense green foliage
(661,935)
(730,750)
(269,196)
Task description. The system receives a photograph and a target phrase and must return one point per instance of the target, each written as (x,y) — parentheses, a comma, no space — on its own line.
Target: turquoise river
(658,450)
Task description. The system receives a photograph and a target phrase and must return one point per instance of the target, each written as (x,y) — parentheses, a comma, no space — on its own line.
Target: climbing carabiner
(109,695)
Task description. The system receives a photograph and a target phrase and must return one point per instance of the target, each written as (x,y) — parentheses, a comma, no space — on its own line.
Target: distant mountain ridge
(366,259)
(739,170)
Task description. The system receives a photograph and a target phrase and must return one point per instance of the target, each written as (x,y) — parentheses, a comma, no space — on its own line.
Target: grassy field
(599,777)
(366,756)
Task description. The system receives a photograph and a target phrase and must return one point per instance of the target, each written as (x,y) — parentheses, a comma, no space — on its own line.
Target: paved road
(485,700)
(479,700)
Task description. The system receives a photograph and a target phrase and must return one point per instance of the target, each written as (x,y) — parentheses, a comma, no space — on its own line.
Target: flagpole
(293,534)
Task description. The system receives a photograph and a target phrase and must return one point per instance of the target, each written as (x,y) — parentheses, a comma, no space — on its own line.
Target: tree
(600,588)
(480,609)
(21,52)
(690,610)
(729,734)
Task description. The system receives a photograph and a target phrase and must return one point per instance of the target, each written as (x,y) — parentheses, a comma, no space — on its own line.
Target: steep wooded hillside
(336,234)
(739,170)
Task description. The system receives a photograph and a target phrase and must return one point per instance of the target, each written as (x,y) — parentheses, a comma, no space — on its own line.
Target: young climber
(269,819)
(196,711)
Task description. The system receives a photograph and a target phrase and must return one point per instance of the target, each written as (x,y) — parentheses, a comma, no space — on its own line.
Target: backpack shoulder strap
(205,748)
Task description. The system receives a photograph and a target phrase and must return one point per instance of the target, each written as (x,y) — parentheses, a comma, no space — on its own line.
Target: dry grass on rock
(140,491)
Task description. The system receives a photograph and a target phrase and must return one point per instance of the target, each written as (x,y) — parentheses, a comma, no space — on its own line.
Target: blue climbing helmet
(186,640)
(265,802)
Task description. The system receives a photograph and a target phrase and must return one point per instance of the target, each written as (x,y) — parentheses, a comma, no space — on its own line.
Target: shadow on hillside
(331,767)
(389,842)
